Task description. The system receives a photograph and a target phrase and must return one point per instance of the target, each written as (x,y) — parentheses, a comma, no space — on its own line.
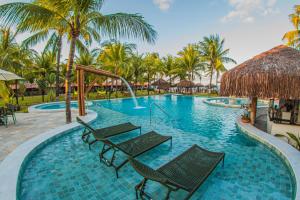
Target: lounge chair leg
(223,162)
(140,131)
(171,143)
(92,142)
(168,194)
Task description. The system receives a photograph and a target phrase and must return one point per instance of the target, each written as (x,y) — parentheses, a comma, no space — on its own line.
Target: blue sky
(248,26)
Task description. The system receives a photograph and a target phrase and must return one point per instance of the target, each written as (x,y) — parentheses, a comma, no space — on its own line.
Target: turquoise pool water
(54,106)
(224,101)
(66,169)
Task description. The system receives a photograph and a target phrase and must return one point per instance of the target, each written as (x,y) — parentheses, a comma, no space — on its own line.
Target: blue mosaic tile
(66,169)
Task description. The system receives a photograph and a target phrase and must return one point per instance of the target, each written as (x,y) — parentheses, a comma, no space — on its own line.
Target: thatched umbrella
(185,84)
(161,84)
(272,74)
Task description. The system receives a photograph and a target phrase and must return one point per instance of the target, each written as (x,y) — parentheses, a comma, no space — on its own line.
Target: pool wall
(289,155)
(12,167)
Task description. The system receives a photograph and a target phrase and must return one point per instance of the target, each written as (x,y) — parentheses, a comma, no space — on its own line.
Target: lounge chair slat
(191,168)
(143,143)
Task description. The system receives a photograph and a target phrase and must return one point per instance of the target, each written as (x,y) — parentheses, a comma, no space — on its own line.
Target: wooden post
(80,88)
(253,110)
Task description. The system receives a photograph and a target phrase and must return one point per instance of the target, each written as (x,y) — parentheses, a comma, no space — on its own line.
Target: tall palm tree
(78,15)
(190,61)
(136,68)
(152,63)
(169,64)
(115,57)
(44,65)
(12,56)
(293,37)
(213,53)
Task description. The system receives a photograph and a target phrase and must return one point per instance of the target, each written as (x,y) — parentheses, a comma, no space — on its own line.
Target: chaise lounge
(103,133)
(132,147)
(187,171)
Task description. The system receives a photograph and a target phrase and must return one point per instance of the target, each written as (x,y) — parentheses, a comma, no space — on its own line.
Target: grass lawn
(33,100)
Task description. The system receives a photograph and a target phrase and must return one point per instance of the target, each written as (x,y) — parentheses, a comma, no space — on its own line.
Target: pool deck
(28,126)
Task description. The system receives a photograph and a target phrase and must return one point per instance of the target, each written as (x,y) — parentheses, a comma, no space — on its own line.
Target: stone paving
(27,126)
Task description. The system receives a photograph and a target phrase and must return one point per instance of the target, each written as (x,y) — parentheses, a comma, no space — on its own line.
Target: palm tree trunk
(68,79)
(211,74)
(148,83)
(217,78)
(58,66)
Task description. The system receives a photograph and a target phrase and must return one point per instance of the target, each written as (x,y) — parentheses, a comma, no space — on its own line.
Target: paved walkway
(28,125)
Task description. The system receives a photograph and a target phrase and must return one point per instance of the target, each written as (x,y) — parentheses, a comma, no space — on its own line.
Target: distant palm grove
(81,25)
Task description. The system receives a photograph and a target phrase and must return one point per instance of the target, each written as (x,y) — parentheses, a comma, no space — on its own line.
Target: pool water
(54,106)
(67,169)
(234,101)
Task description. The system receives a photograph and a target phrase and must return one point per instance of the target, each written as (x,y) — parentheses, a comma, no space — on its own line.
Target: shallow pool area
(67,169)
(58,105)
(232,102)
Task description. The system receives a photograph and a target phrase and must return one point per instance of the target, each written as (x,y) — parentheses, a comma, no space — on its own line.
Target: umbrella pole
(253,110)
(16,94)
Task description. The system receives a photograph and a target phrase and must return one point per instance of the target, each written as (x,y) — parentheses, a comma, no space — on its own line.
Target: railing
(162,109)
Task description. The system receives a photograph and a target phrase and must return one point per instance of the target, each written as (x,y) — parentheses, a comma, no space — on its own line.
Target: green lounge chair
(103,133)
(187,171)
(132,148)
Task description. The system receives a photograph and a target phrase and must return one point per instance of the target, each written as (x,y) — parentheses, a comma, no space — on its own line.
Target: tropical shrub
(292,139)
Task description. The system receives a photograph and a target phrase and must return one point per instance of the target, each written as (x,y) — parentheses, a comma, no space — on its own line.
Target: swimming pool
(66,169)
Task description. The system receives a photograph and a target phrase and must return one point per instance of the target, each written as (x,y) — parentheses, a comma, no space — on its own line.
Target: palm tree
(212,52)
(12,56)
(220,68)
(136,68)
(152,63)
(88,58)
(79,16)
(169,64)
(293,37)
(44,65)
(115,57)
(190,61)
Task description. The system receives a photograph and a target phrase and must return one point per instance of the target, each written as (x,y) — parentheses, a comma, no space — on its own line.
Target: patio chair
(103,133)
(3,116)
(10,111)
(187,171)
(132,148)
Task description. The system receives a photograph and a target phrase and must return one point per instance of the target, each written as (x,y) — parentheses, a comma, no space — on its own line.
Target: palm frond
(125,25)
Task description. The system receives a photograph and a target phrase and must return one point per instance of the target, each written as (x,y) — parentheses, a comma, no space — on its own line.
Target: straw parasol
(185,84)
(272,74)
(161,84)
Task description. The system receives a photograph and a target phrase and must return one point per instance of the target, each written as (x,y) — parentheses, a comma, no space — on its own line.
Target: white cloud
(247,10)
(163,4)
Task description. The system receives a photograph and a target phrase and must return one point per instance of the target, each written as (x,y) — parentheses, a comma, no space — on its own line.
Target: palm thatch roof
(272,74)
(161,84)
(185,84)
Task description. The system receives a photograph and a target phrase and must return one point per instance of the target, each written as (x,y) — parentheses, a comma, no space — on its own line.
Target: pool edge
(290,155)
